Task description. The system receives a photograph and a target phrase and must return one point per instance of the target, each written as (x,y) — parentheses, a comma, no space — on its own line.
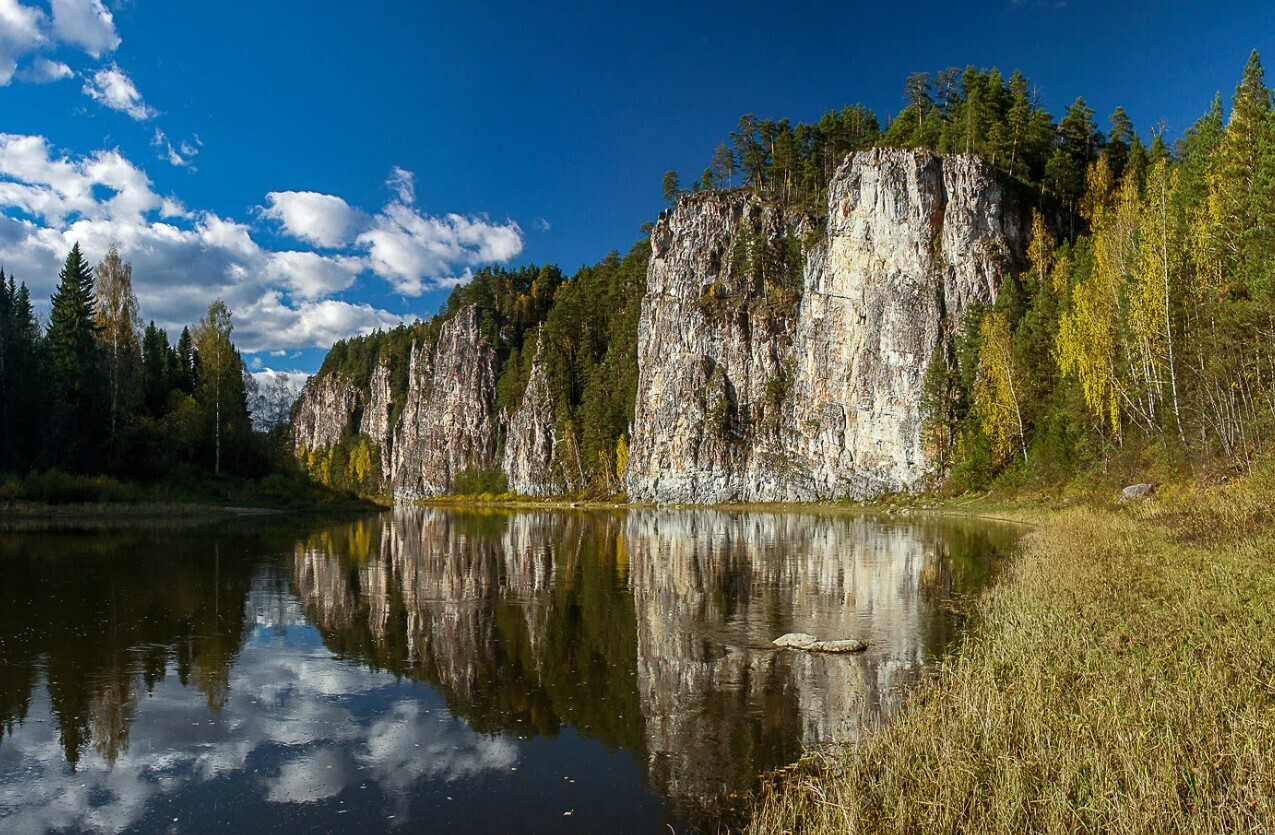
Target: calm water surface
(445,671)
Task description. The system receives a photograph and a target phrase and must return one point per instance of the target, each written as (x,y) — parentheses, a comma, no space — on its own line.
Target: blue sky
(328,168)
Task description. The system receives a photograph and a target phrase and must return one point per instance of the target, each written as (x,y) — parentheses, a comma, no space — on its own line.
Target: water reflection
(616,666)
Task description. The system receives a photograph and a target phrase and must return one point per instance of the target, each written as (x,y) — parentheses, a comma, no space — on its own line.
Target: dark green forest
(92,399)
(586,330)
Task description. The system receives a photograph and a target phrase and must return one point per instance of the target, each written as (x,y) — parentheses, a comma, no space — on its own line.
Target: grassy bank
(53,493)
(1120,677)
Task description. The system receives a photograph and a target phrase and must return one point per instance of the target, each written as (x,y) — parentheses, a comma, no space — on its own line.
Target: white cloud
(321,219)
(412,250)
(111,87)
(310,275)
(541,225)
(21,32)
(86,24)
(180,155)
(45,71)
(182,259)
(403,183)
(102,186)
(271,324)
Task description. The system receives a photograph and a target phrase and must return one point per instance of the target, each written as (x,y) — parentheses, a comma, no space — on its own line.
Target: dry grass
(1121,679)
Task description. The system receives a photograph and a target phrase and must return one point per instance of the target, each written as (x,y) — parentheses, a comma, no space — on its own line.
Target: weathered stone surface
(530,458)
(1136,491)
(809,643)
(449,418)
(755,383)
(375,421)
(323,412)
(711,345)
(822,402)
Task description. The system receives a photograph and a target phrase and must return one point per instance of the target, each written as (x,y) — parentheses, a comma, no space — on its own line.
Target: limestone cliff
(749,402)
(531,458)
(449,421)
(323,412)
(781,357)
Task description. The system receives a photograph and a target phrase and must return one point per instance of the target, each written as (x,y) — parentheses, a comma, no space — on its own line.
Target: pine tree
(1233,206)
(158,372)
(75,368)
(187,362)
(671,186)
(723,165)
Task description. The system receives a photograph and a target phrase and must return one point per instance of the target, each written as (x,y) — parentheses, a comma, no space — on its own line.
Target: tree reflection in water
(646,631)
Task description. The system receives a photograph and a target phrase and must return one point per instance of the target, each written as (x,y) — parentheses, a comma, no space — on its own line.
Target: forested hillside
(94,392)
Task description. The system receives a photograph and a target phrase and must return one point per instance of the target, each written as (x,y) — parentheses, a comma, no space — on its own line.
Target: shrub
(474,482)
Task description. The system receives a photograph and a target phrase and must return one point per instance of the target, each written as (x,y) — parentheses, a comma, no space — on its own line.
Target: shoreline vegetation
(1118,676)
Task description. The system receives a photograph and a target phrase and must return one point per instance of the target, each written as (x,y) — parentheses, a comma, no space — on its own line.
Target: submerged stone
(809,643)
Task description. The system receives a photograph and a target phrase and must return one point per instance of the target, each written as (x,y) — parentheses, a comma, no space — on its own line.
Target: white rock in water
(809,643)
(795,640)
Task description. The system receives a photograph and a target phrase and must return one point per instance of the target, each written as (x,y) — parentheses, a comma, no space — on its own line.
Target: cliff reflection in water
(649,630)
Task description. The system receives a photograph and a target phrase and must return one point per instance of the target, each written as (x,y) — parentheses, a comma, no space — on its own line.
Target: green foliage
(21,377)
(480,482)
(77,382)
(1146,333)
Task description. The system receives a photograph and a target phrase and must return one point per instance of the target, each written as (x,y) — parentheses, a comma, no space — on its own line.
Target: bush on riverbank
(180,488)
(1121,677)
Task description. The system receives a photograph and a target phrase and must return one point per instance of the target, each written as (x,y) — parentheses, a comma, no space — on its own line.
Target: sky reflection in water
(452,670)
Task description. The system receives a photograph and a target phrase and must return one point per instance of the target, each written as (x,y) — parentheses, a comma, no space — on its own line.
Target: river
(455,670)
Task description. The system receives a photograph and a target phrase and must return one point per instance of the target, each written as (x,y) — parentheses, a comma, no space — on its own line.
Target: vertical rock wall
(912,241)
(780,359)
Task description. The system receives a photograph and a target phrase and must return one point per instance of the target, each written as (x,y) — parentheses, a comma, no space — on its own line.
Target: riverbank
(1119,677)
(57,496)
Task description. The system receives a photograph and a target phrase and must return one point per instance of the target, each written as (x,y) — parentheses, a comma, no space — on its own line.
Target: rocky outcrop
(449,421)
(759,401)
(375,420)
(531,441)
(323,412)
(781,357)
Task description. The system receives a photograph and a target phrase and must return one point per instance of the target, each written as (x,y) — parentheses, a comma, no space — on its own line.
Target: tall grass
(1120,678)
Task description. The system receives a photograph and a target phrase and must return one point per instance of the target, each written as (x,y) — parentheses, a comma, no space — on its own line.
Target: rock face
(781,358)
(758,402)
(449,421)
(324,410)
(531,440)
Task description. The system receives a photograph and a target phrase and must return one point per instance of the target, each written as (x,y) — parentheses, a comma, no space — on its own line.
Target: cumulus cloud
(86,24)
(322,219)
(111,87)
(416,252)
(21,32)
(284,298)
(182,259)
(45,71)
(412,250)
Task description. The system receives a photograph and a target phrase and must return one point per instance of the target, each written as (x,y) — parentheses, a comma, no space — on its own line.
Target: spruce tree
(75,373)
(186,361)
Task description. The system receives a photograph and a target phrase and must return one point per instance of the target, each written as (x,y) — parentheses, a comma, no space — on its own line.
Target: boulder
(809,643)
(1136,491)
